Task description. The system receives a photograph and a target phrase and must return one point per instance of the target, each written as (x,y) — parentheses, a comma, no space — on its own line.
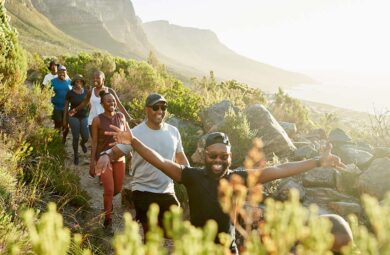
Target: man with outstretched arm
(202,183)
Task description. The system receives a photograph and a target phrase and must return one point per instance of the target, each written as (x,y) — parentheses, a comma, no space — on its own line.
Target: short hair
(99,73)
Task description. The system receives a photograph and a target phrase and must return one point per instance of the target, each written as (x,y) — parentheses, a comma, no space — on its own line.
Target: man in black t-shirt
(202,183)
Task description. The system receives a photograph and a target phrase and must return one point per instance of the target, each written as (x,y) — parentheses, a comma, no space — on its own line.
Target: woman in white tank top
(93,99)
(96,107)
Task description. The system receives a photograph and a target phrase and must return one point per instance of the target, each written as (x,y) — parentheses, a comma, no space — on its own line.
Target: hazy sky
(299,35)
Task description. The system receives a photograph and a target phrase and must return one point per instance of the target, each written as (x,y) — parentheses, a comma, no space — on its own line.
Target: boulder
(346,208)
(318,134)
(351,154)
(284,187)
(213,117)
(305,152)
(375,180)
(320,177)
(338,136)
(198,156)
(290,128)
(324,196)
(381,152)
(275,139)
(347,180)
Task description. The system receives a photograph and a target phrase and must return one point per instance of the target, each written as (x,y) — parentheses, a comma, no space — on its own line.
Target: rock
(320,177)
(302,143)
(346,208)
(324,196)
(198,156)
(283,191)
(351,154)
(364,147)
(290,128)
(305,152)
(318,134)
(275,139)
(381,152)
(338,136)
(375,180)
(347,179)
(213,117)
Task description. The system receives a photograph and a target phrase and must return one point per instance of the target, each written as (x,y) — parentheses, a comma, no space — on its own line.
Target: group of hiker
(157,155)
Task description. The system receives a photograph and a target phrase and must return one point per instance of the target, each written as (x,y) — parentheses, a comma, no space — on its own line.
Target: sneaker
(84,147)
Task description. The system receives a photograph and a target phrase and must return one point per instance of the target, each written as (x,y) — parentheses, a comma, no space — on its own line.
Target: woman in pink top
(112,176)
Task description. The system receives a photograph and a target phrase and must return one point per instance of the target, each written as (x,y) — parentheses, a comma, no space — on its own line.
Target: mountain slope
(109,25)
(202,50)
(38,34)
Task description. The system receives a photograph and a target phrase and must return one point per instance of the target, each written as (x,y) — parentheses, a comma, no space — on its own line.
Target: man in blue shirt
(60,86)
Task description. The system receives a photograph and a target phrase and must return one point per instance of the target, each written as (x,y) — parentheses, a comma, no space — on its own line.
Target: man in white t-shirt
(150,185)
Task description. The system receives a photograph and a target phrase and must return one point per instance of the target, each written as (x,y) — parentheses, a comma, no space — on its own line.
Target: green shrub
(237,128)
(12,56)
(286,108)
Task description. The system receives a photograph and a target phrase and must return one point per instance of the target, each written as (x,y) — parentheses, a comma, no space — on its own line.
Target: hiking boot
(76,160)
(84,147)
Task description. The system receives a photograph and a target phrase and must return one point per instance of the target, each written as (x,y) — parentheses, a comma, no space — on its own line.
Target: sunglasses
(156,107)
(222,156)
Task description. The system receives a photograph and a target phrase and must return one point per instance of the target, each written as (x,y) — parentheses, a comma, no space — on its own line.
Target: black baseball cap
(154,98)
(217,137)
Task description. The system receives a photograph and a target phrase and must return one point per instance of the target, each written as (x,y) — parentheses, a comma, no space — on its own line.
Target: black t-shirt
(202,189)
(74,100)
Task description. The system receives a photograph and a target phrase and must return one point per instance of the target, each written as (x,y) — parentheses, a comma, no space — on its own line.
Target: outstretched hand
(122,137)
(328,159)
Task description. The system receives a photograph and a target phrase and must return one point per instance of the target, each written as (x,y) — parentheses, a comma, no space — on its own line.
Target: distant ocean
(364,95)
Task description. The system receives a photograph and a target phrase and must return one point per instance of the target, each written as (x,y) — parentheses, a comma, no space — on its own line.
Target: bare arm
(327,159)
(286,170)
(170,168)
(181,159)
(83,104)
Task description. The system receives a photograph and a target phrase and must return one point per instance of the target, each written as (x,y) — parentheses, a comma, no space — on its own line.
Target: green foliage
(286,108)
(240,94)
(237,128)
(182,102)
(12,56)
(37,68)
(328,121)
(377,239)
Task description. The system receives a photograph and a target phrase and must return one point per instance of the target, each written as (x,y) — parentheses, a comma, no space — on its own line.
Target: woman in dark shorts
(112,176)
(78,122)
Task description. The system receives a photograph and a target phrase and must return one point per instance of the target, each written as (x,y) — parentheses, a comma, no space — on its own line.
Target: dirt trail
(93,188)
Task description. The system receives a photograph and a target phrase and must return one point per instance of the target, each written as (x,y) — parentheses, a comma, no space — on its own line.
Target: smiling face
(61,74)
(156,113)
(98,79)
(109,103)
(218,159)
(53,68)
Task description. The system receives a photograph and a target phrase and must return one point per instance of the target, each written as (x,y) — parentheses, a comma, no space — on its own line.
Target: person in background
(111,176)
(78,122)
(52,74)
(60,86)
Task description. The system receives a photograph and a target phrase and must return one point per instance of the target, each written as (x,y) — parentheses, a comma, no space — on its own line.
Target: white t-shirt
(167,142)
(48,78)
